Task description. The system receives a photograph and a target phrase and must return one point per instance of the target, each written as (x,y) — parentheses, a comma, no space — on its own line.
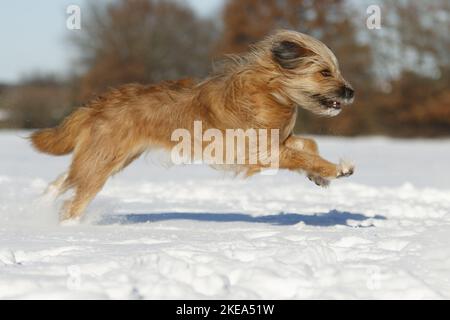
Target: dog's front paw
(345,169)
(321,182)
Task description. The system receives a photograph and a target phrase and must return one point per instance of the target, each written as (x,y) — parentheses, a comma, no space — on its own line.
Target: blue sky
(34,34)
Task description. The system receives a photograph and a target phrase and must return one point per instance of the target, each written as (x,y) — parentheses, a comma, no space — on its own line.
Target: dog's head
(307,73)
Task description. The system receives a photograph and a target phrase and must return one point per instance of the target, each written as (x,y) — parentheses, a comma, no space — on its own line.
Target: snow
(195,233)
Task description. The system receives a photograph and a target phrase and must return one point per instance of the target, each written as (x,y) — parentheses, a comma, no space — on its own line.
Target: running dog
(261,89)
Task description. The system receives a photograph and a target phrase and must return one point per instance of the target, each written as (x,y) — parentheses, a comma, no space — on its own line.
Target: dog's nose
(348,93)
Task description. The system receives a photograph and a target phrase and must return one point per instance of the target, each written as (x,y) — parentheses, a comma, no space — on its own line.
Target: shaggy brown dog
(261,89)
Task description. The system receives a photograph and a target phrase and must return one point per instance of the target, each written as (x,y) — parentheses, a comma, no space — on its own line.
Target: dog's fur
(261,89)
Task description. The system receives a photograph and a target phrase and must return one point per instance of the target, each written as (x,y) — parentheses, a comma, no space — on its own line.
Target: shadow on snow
(331,218)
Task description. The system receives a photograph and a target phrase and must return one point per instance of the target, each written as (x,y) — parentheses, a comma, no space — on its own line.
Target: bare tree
(142,41)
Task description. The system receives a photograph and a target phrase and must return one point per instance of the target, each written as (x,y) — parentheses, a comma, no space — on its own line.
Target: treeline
(401,72)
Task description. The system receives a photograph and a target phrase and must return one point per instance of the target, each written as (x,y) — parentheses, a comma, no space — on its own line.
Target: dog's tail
(61,140)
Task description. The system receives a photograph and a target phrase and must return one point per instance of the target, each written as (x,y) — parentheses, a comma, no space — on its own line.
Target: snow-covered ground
(192,232)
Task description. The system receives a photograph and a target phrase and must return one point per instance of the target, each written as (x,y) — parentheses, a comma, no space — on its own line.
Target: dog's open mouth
(332,104)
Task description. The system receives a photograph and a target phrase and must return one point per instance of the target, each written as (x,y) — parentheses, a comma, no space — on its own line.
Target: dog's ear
(288,53)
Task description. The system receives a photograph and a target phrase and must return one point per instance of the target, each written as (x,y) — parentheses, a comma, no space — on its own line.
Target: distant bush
(401,73)
(39,101)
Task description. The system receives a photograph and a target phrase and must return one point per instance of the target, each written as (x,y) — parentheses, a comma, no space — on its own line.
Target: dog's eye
(326,73)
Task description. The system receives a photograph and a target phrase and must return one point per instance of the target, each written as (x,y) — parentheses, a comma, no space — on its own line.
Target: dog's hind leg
(90,169)
(86,185)
(84,193)
(55,188)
